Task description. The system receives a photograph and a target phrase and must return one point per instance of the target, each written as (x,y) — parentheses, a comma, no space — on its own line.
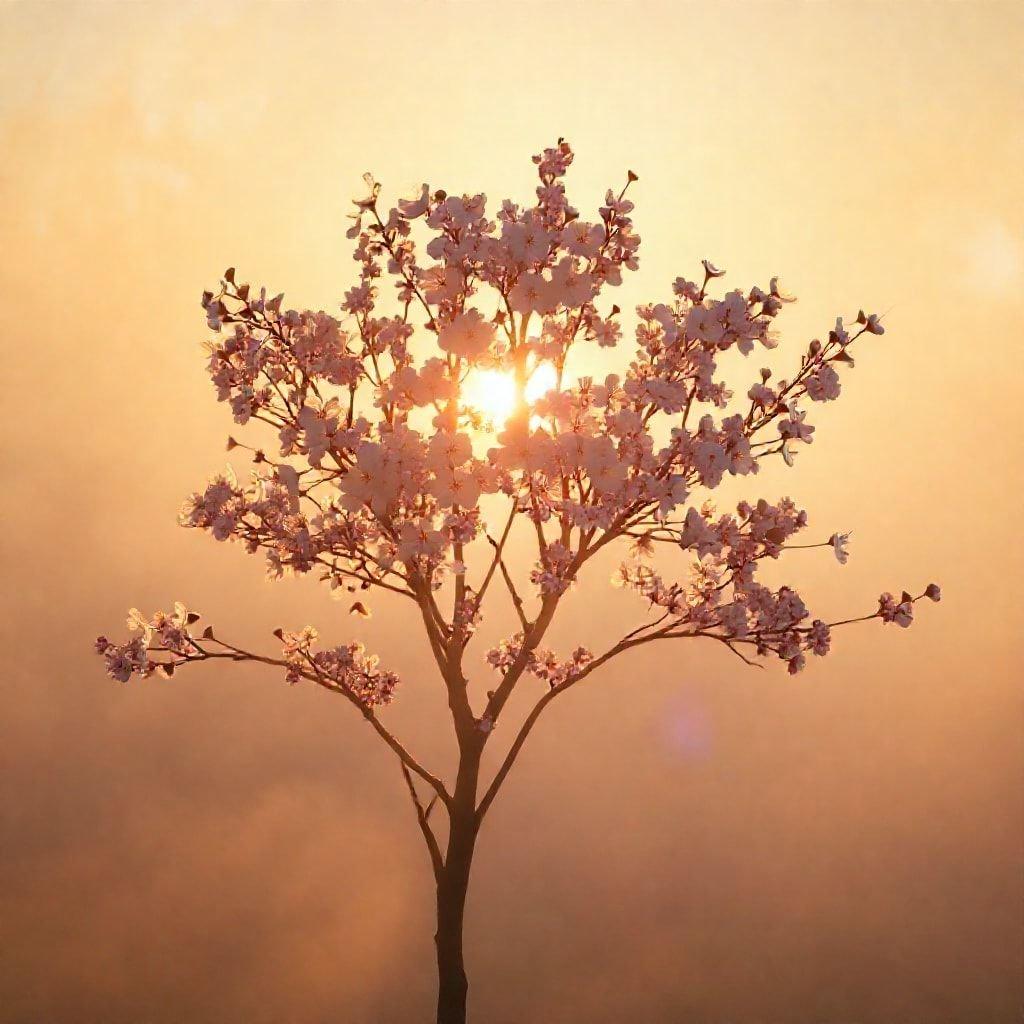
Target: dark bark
(452,886)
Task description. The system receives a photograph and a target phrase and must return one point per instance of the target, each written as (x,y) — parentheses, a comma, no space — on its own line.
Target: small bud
(933,592)
(631,176)
(232,443)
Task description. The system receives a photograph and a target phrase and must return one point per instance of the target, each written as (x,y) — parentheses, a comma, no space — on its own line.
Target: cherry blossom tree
(386,476)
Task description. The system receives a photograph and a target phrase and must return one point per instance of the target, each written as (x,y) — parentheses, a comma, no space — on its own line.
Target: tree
(390,476)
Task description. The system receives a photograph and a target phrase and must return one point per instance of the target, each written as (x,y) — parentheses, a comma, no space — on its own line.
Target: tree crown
(431,417)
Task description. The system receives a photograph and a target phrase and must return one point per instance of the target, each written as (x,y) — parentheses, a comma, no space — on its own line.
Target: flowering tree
(390,476)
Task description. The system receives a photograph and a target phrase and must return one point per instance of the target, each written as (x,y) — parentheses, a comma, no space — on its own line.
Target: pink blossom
(468,335)
(823,385)
(840,543)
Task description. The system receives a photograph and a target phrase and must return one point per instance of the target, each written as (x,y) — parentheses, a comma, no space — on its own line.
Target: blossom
(710,461)
(533,293)
(823,385)
(124,660)
(526,240)
(467,335)
(553,573)
(418,539)
(901,612)
(582,239)
(413,208)
(762,395)
(793,427)
(870,322)
(607,333)
(819,638)
(839,543)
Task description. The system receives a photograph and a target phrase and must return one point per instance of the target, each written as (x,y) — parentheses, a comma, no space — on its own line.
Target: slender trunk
(452,887)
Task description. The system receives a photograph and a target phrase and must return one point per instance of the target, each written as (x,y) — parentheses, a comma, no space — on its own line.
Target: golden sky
(683,839)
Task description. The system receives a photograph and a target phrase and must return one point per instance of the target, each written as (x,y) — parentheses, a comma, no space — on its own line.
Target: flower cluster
(125,660)
(347,667)
(163,632)
(722,598)
(388,467)
(901,611)
(538,661)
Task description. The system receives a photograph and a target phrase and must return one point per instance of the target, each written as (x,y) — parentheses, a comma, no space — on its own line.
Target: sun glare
(492,393)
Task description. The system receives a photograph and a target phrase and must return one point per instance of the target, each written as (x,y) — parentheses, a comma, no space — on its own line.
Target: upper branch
(676,629)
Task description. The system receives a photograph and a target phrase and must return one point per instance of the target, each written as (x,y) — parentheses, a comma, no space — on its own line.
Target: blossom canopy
(382,475)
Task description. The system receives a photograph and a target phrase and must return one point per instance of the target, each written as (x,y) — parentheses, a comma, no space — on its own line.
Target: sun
(492,393)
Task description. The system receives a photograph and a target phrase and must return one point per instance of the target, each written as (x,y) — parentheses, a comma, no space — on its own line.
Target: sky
(684,839)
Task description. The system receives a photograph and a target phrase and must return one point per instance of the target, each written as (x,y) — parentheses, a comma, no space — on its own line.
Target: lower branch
(422,817)
(408,761)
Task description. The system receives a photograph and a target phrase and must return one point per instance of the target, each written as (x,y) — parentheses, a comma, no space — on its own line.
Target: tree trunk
(452,887)
(451,972)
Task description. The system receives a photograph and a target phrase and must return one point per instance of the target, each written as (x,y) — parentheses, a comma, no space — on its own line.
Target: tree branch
(422,814)
(408,761)
(538,708)
(517,601)
(499,547)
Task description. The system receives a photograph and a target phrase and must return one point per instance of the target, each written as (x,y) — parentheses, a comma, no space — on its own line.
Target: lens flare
(543,379)
(492,393)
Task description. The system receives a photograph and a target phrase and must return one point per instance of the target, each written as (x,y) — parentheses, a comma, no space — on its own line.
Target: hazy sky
(684,840)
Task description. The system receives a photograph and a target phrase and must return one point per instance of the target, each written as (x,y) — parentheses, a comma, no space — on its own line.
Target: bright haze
(685,839)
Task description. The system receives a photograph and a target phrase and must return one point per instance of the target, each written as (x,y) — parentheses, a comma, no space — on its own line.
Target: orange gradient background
(684,839)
